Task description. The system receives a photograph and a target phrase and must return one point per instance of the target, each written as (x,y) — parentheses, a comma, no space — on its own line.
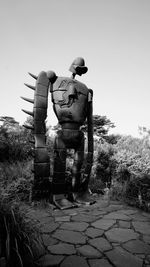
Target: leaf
(16,260)
(7,240)
(13,217)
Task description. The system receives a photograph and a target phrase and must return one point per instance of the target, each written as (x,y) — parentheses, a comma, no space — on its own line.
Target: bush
(16,237)
(16,180)
(105,163)
(132,172)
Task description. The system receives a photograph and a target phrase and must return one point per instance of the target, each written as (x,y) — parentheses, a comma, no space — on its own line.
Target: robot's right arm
(41,157)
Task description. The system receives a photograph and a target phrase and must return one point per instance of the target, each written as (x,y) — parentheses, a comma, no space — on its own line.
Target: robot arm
(41,185)
(90,124)
(89,159)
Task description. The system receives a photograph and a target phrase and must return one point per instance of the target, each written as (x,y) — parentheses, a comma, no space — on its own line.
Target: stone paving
(101,235)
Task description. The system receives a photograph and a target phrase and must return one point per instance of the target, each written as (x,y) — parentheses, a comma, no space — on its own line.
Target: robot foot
(84,198)
(62,203)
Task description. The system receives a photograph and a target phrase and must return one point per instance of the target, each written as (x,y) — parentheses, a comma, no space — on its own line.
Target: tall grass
(16,181)
(16,236)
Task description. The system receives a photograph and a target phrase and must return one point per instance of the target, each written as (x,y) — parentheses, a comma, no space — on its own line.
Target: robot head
(78,66)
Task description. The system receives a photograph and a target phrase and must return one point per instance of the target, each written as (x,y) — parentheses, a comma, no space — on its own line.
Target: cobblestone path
(99,235)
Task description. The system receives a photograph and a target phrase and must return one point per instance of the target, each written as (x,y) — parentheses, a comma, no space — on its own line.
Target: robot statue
(72,104)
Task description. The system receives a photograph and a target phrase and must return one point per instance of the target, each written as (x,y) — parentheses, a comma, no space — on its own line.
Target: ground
(104,234)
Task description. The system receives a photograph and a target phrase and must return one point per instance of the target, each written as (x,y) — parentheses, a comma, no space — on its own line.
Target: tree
(106,163)
(14,140)
(101,126)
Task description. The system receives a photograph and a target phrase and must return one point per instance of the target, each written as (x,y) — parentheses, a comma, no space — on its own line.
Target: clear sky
(113,36)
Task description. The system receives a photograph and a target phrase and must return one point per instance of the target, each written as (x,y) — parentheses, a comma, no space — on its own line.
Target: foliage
(132,155)
(132,172)
(14,141)
(16,180)
(16,237)
(101,125)
(105,163)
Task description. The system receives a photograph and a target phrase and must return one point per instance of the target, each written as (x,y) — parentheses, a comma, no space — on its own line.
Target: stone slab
(139,217)
(71,212)
(142,227)
(146,214)
(112,207)
(46,220)
(76,226)
(120,235)
(50,260)
(48,228)
(89,252)
(62,219)
(124,224)
(146,238)
(74,261)
(137,247)
(84,218)
(62,249)
(121,258)
(48,240)
(93,232)
(98,213)
(117,216)
(72,237)
(128,211)
(100,243)
(99,263)
(103,224)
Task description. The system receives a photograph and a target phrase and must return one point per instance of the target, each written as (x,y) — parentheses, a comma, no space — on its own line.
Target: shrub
(105,163)
(132,172)
(16,237)
(16,180)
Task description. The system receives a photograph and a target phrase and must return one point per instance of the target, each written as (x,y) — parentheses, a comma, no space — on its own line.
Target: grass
(16,235)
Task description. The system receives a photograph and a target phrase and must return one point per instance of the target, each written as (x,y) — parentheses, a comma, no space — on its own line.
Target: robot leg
(59,178)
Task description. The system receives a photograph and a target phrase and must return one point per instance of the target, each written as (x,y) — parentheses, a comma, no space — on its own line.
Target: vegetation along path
(100,235)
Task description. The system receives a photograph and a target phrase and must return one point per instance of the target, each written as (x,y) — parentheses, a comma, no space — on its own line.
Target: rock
(70,236)
(89,252)
(46,220)
(128,212)
(62,249)
(146,214)
(103,224)
(121,258)
(70,212)
(100,243)
(137,246)
(99,263)
(120,235)
(98,213)
(84,218)
(48,240)
(139,217)
(50,260)
(62,219)
(146,238)
(77,226)
(124,224)
(93,232)
(48,228)
(113,207)
(116,216)
(74,261)
(142,227)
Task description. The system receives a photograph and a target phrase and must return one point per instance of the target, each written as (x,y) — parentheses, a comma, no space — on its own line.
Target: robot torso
(70,100)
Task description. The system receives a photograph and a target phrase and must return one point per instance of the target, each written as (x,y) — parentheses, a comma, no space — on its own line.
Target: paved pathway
(100,235)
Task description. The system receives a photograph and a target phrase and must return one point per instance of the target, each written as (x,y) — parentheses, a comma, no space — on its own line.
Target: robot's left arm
(90,123)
